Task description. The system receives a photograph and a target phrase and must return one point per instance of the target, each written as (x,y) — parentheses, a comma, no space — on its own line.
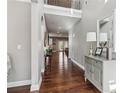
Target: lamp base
(91,52)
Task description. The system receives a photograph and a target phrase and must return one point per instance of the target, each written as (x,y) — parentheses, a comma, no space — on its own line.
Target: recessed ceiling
(57,23)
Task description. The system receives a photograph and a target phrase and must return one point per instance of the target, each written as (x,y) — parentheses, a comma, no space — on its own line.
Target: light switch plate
(19,46)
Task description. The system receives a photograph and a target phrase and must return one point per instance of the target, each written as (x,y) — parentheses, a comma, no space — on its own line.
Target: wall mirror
(106,26)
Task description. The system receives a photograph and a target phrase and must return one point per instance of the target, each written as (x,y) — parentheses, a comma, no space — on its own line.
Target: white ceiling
(57,23)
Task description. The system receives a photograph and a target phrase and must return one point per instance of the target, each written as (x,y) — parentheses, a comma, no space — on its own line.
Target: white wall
(92,11)
(19,33)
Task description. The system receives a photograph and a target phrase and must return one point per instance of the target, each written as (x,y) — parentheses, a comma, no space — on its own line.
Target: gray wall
(26,32)
(91,12)
(19,33)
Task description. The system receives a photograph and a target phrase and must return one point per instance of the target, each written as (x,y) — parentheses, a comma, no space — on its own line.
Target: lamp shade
(91,36)
(103,37)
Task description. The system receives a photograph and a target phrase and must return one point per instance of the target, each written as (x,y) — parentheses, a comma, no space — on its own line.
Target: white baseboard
(42,70)
(82,67)
(36,87)
(40,81)
(18,83)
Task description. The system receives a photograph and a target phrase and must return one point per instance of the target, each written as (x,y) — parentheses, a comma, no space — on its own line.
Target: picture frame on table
(98,51)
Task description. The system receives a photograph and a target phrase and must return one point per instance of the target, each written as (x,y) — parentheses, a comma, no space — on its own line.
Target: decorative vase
(109,53)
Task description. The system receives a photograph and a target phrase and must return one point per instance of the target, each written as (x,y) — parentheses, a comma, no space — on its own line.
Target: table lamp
(91,37)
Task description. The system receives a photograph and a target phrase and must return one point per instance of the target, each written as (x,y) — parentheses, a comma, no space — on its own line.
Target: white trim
(56,10)
(40,81)
(42,70)
(74,61)
(36,87)
(26,1)
(18,83)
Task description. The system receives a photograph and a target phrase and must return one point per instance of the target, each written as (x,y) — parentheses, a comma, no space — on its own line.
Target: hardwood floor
(62,76)
(65,77)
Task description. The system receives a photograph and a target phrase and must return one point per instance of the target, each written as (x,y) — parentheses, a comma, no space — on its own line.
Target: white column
(36,45)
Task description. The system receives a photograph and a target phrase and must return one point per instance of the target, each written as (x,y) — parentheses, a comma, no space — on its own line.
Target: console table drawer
(98,64)
(94,62)
(88,59)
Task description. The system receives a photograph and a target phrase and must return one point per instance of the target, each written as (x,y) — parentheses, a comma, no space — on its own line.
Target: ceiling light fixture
(106,1)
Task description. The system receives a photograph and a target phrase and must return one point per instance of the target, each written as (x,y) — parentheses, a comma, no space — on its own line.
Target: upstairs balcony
(71,8)
(74,4)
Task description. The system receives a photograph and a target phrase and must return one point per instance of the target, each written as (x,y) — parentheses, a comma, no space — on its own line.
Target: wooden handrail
(63,3)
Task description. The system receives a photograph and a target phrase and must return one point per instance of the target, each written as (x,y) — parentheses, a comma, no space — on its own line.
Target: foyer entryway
(64,77)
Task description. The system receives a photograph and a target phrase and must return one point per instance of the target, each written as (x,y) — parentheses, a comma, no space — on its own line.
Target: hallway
(65,77)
